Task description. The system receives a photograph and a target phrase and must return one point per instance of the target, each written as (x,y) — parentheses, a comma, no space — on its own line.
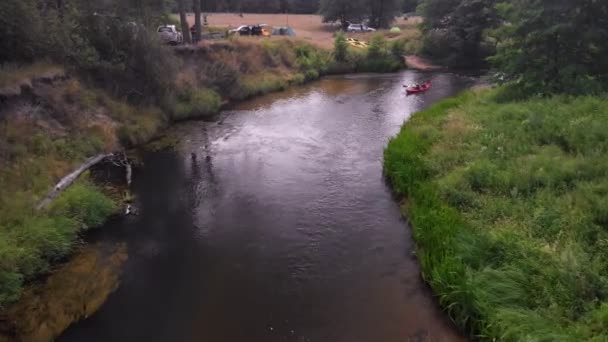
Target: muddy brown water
(282,228)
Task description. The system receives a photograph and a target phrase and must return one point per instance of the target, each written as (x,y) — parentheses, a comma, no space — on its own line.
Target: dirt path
(420,63)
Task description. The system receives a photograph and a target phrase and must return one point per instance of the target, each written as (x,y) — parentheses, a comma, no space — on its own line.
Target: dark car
(243,30)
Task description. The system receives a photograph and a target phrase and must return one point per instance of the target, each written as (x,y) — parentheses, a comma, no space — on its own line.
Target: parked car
(243,30)
(357,28)
(261,30)
(169,34)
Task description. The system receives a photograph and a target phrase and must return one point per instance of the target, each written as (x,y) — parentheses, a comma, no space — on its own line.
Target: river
(281,229)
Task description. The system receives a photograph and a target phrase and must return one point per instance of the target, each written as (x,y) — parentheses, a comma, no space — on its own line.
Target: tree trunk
(197,21)
(66,181)
(184,21)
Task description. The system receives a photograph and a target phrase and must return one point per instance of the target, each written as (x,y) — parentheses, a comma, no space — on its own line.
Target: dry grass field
(308,27)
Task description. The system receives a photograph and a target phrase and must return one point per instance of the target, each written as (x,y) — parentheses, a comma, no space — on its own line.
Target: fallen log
(66,181)
(129,172)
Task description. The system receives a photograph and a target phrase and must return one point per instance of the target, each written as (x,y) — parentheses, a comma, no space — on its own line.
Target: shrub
(397,49)
(22,28)
(140,127)
(377,47)
(310,58)
(262,83)
(30,241)
(196,103)
(340,47)
(85,204)
(298,78)
(219,76)
(380,57)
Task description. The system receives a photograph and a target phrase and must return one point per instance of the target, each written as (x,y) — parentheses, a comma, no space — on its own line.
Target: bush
(377,47)
(310,58)
(22,28)
(397,48)
(36,239)
(380,57)
(196,103)
(140,127)
(85,204)
(340,47)
(124,58)
(262,83)
(127,60)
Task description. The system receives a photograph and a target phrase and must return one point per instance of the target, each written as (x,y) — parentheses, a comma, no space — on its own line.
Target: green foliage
(340,47)
(20,38)
(551,47)
(381,56)
(377,47)
(112,42)
(196,103)
(456,31)
(311,61)
(342,10)
(397,48)
(409,6)
(505,203)
(381,13)
(30,241)
(85,204)
(263,83)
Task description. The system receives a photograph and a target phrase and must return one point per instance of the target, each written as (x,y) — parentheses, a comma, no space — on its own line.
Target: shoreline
(473,204)
(420,63)
(46,280)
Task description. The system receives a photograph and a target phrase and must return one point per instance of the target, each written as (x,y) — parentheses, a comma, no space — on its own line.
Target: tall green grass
(196,103)
(508,206)
(31,241)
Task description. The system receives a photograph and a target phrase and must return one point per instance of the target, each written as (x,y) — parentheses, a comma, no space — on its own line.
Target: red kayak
(418,89)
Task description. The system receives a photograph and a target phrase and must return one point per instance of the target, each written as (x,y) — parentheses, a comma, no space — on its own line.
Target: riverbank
(507,204)
(52,124)
(287,211)
(421,63)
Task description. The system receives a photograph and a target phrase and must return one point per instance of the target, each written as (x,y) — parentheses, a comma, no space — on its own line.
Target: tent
(395,29)
(283,31)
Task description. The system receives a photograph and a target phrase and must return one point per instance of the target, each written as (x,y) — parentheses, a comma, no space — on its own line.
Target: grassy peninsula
(507,201)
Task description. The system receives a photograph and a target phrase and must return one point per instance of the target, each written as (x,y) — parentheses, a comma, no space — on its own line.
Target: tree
(261,6)
(455,30)
(184,21)
(303,6)
(197,20)
(383,12)
(342,11)
(410,5)
(555,46)
(22,29)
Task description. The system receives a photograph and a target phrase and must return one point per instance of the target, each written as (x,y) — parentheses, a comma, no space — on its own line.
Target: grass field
(308,27)
(508,206)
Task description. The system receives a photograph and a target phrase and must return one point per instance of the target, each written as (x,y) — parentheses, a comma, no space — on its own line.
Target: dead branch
(66,181)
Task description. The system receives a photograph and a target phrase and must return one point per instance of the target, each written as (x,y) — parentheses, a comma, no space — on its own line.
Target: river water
(281,229)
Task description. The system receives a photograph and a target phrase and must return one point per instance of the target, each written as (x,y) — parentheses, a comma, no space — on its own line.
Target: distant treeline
(543,46)
(278,6)
(261,6)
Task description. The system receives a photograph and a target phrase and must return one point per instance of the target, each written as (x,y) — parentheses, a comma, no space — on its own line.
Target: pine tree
(555,45)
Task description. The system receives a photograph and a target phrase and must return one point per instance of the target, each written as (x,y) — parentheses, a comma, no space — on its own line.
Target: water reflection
(286,232)
(75,291)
